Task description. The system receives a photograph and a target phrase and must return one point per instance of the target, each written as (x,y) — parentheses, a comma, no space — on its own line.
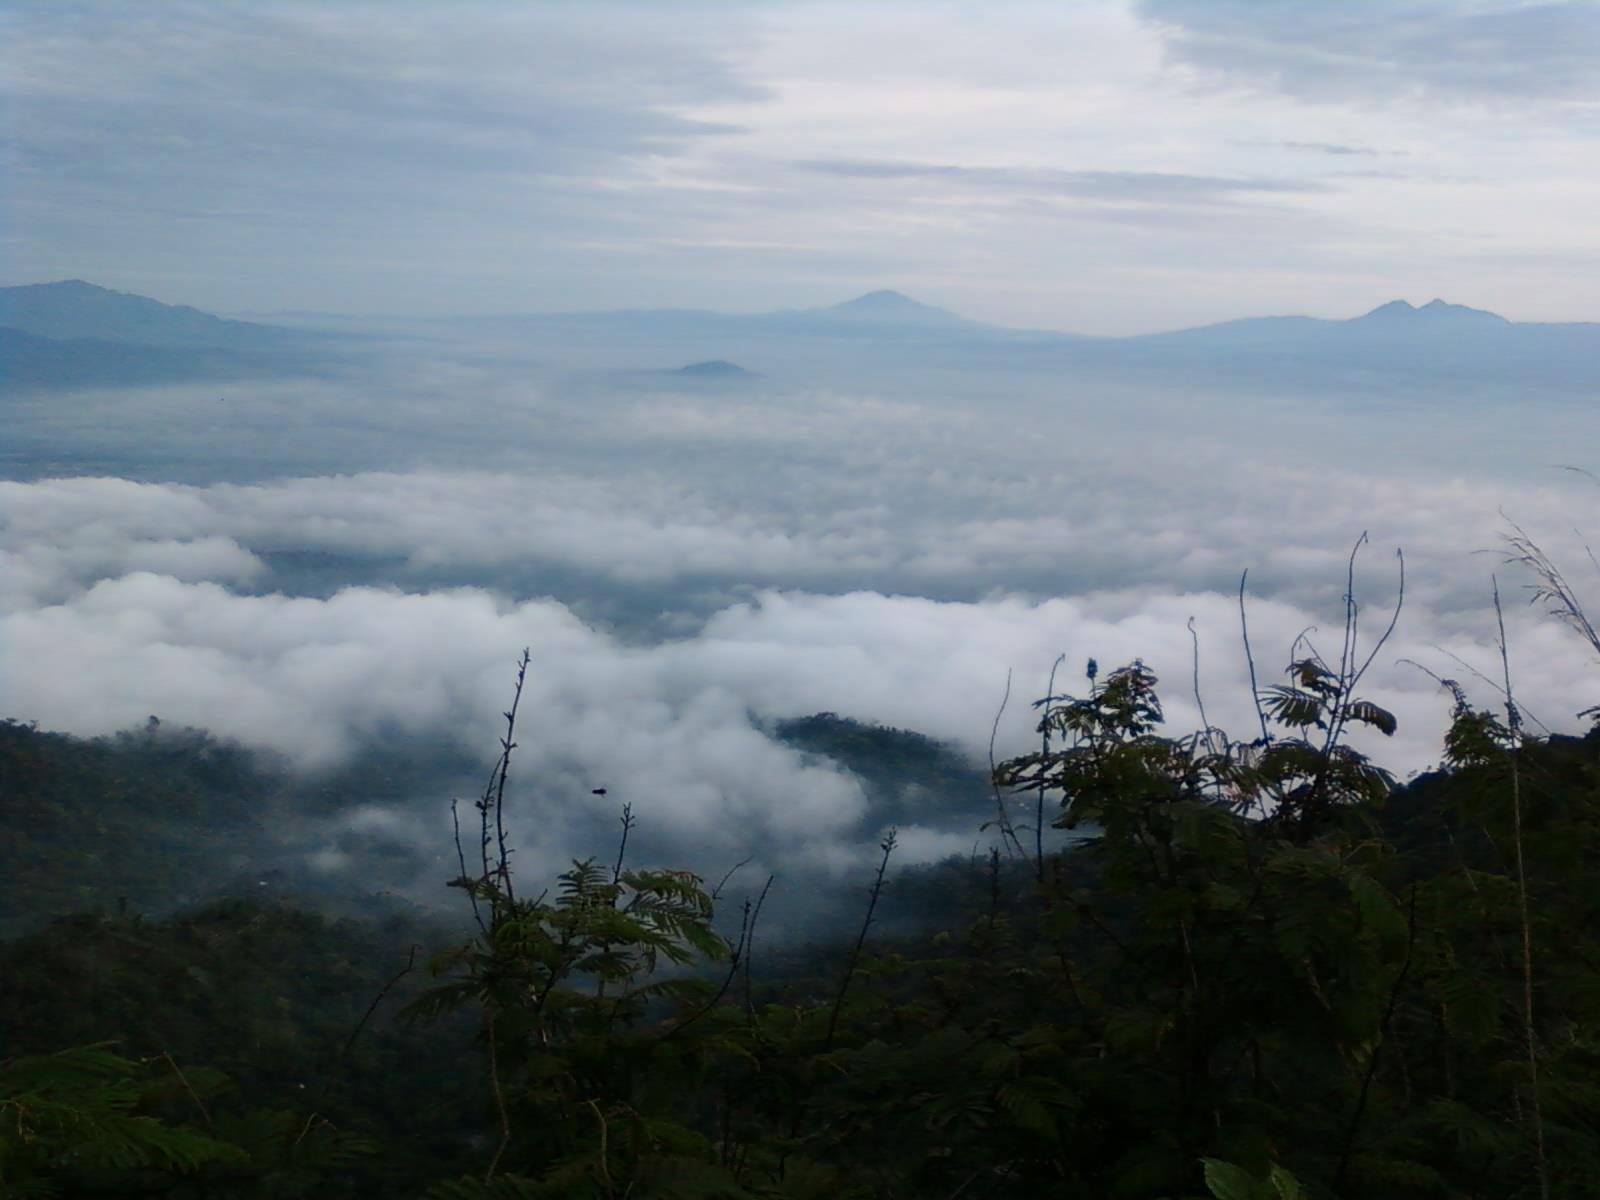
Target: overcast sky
(1107,166)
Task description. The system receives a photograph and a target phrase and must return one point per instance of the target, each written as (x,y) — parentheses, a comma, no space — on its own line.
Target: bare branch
(887,846)
(716,892)
(461,857)
(1250,658)
(1514,724)
(622,845)
(1044,764)
(1008,833)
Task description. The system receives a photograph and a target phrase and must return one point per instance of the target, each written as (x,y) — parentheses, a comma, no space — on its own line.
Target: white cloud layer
(121,602)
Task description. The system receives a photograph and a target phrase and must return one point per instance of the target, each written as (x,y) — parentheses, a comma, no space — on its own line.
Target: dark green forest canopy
(149,819)
(1329,1000)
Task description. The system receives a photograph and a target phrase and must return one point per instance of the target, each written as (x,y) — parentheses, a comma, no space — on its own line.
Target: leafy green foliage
(71,1118)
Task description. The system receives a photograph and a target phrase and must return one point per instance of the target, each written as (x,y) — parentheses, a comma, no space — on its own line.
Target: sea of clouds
(316,568)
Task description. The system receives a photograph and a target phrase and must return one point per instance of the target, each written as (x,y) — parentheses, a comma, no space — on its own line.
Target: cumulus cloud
(676,724)
(124,599)
(950,511)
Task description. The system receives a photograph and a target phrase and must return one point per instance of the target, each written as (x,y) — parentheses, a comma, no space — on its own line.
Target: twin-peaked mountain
(1395,342)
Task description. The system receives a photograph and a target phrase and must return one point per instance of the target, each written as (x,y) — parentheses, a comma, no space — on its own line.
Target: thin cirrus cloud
(1443,51)
(1133,186)
(482,157)
(334,136)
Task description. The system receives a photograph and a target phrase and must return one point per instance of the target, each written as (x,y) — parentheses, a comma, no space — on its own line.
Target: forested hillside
(1263,971)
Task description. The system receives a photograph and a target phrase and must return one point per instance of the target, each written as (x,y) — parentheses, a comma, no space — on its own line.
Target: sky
(1108,167)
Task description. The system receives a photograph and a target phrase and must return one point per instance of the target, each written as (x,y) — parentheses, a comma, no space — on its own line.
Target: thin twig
(887,846)
(1199,700)
(716,892)
(411,962)
(166,1056)
(507,745)
(605,1150)
(1352,618)
(1514,727)
(461,857)
(1044,765)
(1250,658)
(1461,662)
(622,845)
(499,1095)
(747,932)
(1394,619)
(750,945)
(1008,834)
(1372,1059)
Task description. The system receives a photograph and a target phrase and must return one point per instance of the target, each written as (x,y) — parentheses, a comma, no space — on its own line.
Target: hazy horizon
(1112,167)
(266,315)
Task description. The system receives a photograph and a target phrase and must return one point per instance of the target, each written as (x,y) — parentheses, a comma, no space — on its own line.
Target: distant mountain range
(1395,321)
(75,309)
(76,334)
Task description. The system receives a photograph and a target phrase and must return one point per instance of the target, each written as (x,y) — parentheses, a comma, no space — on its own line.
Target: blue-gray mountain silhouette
(75,309)
(892,307)
(75,334)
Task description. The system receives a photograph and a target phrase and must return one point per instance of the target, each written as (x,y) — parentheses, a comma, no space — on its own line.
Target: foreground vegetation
(1268,973)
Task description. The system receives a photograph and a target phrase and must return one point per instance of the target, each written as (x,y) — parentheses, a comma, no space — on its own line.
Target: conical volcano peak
(891,307)
(884,300)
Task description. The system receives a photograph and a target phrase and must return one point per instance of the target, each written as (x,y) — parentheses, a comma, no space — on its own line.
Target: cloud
(166,598)
(357,90)
(1337,149)
(678,727)
(1444,51)
(755,555)
(235,136)
(653,507)
(1068,171)
(1149,187)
